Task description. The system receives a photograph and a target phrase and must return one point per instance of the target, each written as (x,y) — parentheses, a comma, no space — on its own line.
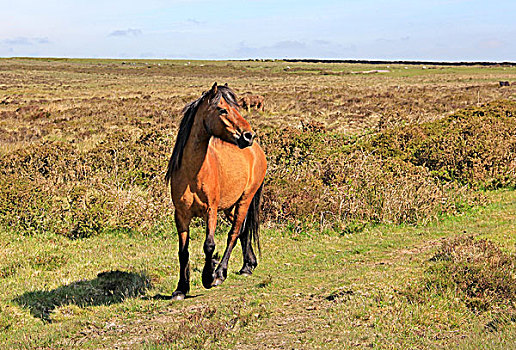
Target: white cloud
(24,41)
(126,33)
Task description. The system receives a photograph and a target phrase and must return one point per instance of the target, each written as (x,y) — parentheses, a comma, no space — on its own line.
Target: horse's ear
(214,89)
(226,85)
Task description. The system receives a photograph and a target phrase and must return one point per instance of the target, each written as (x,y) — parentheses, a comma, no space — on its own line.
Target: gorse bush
(316,178)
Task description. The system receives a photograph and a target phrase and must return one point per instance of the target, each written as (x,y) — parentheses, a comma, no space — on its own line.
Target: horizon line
(292,60)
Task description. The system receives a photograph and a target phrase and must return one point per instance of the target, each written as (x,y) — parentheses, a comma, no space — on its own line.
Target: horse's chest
(218,183)
(193,197)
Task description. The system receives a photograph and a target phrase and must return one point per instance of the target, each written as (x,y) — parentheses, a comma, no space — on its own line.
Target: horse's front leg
(209,248)
(222,270)
(183,286)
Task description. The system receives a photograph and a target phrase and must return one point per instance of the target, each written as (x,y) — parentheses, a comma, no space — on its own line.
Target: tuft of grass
(266,282)
(206,326)
(475,272)
(477,268)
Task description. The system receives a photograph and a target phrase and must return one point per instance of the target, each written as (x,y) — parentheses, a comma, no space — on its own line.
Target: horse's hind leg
(222,270)
(183,286)
(209,247)
(250,261)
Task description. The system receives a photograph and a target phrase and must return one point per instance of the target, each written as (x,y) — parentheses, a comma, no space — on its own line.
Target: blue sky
(451,30)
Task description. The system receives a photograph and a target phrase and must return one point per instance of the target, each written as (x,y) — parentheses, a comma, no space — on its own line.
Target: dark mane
(185,127)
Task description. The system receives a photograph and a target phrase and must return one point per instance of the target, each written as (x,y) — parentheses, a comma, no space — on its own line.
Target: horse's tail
(168,175)
(250,229)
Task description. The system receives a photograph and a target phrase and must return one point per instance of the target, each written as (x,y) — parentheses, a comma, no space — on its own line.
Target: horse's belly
(234,174)
(227,200)
(232,186)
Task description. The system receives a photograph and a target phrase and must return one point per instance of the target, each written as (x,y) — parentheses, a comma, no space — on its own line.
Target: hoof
(207,273)
(207,283)
(207,278)
(178,295)
(245,271)
(217,282)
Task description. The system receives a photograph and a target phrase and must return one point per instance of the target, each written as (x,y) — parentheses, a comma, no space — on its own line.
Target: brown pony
(252,101)
(216,166)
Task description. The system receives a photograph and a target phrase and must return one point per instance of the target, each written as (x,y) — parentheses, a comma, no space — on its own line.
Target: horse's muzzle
(245,139)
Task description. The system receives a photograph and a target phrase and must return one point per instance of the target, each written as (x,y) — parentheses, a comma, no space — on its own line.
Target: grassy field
(310,291)
(390,211)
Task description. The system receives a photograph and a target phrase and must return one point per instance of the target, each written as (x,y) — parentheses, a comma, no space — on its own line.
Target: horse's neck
(196,147)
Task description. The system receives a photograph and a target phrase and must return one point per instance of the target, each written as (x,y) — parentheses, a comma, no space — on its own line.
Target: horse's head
(223,120)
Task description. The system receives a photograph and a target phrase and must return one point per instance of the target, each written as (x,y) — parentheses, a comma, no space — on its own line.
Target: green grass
(310,290)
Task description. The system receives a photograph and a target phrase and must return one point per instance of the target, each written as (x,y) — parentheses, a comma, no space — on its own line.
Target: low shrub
(116,185)
(409,174)
(475,272)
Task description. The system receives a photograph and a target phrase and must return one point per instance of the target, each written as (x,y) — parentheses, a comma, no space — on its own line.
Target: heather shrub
(474,146)
(332,180)
(115,185)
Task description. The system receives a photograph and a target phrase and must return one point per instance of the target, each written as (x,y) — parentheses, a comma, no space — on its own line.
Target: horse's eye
(222,110)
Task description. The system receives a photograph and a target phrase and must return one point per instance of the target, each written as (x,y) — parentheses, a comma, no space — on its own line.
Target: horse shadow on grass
(107,288)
